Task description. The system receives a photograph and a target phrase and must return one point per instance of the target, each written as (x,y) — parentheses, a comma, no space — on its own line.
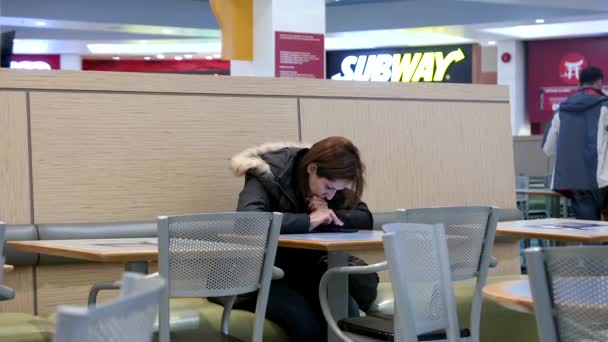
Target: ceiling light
(167,31)
(492,42)
(40,23)
(116,58)
(188,56)
(147,58)
(540,21)
(178,58)
(160,56)
(143,42)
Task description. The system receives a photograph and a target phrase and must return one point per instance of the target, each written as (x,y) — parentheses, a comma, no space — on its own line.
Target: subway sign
(450,64)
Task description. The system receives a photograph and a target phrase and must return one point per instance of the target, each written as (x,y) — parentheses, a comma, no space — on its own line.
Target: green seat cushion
(200,314)
(241,324)
(497,323)
(19,327)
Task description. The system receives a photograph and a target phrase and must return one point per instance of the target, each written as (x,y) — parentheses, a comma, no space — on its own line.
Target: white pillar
(70,62)
(269,16)
(512,74)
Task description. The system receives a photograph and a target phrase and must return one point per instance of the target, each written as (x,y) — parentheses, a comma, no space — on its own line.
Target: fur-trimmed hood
(273,166)
(255,159)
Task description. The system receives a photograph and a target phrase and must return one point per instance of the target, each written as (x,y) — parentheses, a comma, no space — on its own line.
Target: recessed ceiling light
(160,56)
(167,31)
(492,42)
(40,23)
(147,58)
(188,56)
(540,21)
(178,58)
(116,58)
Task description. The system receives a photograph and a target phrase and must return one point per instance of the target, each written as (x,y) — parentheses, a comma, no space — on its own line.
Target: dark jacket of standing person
(577,137)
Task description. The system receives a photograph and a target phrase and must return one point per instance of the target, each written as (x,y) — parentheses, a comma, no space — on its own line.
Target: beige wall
(529,158)
(121,146)
(116,147)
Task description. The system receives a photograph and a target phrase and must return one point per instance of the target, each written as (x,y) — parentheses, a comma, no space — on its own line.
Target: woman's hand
(323,217)
(316,203)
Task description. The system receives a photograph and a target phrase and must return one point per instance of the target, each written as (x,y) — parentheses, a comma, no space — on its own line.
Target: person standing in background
(577,137)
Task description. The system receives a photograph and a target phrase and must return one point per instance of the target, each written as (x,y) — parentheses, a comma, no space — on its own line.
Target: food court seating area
(101,155)
(497,323)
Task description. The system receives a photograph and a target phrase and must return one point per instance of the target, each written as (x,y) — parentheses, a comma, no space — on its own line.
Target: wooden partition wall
(98,147)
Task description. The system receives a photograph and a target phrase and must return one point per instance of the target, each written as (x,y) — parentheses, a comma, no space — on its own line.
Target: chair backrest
(570,290)
(220,254)
(470,232)
(419,266)
(383,218)
(522,182)
(129,318)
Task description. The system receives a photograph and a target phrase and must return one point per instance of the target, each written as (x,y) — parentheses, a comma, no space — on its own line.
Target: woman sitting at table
(315,188)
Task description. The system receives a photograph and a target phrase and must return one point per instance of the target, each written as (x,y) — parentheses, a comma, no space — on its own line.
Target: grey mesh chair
(570,290)
(128,318)
(470,232)
(425,306)
(218,255)
(6,293)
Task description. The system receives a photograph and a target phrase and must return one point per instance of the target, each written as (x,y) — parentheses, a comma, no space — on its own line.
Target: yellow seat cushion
(20,327)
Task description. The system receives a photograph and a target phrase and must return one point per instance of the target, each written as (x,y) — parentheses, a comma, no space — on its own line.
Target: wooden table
(136,253)
(514,295)
(553,198)
(537,192)
(8,268)
(594,232)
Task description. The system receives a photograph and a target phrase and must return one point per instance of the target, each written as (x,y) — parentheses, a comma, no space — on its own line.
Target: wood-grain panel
(21,279)
(112,157)
(421,154)
(259,86)
(15,203)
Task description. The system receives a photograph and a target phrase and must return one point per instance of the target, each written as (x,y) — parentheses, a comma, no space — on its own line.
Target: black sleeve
(254,197)
(358,218)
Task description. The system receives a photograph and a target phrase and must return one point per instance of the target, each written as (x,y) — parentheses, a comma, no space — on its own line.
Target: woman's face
(323,187)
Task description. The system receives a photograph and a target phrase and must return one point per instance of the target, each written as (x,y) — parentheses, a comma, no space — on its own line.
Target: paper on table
(569,225)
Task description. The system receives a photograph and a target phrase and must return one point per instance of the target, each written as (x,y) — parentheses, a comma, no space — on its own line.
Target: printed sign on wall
(299,55)
(422,64)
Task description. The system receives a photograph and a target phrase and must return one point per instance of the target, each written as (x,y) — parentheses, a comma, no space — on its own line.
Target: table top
(363,239)
(8,268)
(556,229)
(100,250)
(513,294)
(146,249)
(538,192)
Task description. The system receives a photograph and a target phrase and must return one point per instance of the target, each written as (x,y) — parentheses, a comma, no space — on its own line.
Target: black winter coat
(270,185)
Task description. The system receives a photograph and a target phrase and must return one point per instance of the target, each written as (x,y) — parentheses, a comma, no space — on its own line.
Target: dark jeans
(297,311)
(588,204)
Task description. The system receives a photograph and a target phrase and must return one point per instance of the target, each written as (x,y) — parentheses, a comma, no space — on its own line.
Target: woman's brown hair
(336,158)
